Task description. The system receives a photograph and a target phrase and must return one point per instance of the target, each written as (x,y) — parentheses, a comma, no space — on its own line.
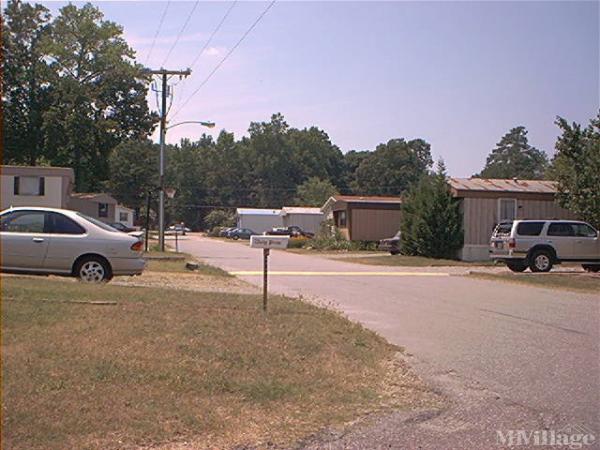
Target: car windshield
(98,223)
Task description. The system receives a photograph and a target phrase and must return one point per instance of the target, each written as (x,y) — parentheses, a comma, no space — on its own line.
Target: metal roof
(503,185)
(366,199)
(258,211)
(300,210)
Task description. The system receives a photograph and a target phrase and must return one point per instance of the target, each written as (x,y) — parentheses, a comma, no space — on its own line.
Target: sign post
(267,242)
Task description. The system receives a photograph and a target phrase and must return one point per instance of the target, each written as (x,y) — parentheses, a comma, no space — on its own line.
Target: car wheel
(235,238)
(516,266)
(541,261)
(394,252)
(591,267)
(93,269)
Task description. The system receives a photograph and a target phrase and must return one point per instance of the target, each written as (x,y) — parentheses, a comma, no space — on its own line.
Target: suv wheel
(516,266)
(93,270)
(591,267)
(541,261)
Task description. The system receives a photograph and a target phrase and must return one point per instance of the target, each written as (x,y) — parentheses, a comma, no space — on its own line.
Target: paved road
(510,357)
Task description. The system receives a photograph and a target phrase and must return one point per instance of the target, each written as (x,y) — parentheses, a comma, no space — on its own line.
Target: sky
(459,74)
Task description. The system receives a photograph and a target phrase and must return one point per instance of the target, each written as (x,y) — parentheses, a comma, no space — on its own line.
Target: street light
(161,197)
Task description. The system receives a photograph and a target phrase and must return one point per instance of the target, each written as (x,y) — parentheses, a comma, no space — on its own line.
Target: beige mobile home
(36,186)
(485,202)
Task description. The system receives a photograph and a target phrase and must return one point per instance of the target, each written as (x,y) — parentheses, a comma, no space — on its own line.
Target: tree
(393,167)
(513,157)
(576,167)
(26,90)
(219,218)
(315,192)
(352,160)
(431,222)
(133,168)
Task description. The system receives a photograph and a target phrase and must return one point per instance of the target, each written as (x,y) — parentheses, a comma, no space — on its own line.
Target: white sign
(266,241)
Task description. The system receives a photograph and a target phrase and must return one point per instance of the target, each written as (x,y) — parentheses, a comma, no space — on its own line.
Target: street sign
(266,241)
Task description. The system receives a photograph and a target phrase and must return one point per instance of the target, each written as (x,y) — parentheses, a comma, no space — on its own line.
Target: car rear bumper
(128,266)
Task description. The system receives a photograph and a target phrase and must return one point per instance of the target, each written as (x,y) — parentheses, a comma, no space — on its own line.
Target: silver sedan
(59,241)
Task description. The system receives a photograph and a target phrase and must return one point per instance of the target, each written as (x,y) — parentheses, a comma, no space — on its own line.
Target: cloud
(214,51)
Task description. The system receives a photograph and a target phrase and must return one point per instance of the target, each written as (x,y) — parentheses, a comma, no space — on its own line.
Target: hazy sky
(457,74)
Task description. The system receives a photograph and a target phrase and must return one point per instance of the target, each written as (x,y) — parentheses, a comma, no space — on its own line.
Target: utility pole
(164,73)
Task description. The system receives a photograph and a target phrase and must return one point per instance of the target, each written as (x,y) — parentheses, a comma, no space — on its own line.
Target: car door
(561,236)
(67,244)
(586,242)
(24,240)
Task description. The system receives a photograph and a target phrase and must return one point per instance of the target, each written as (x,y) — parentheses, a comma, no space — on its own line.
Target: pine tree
(431,220)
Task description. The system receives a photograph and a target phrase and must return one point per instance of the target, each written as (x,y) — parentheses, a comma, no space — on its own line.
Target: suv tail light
(137,246)
(512,243)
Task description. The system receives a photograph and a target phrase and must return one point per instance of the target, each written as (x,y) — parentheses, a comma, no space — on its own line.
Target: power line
(208,42)
(220,63)
(215,31)
(160,23)
(185,24)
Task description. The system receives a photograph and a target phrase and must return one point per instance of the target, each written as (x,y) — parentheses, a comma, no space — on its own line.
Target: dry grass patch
(574,281)
(178,369)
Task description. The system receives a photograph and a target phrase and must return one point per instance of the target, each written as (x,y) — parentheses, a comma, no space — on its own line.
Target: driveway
(510,357)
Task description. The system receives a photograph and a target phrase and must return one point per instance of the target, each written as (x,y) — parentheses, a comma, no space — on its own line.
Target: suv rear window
(503,229)
(530,228)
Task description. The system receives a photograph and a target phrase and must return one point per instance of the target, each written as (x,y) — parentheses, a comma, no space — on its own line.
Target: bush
(298,242)
(328,239)
(219,218)
(214,232)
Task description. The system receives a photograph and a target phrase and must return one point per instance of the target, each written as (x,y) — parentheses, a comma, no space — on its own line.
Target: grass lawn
(165,366)
(409,261)
(178,265)
(574,281)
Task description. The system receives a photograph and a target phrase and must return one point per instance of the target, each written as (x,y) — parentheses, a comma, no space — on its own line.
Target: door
(24,241)
(67,244)
(586,242)
(561,235)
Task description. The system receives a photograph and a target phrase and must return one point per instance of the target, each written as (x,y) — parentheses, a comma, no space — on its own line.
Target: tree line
(74,95)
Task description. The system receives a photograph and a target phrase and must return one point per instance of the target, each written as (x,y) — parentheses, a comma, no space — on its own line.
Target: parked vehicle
(58,241)
(539,244)
(224,230)
(124,228)
(240,233)
(391,245)
(178,228)
(292,231)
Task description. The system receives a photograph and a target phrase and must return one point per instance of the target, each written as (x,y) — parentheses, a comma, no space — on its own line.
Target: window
(584,230)
(102,209)
(98,223)
(530,228)
(29,186)
(507,209)
(23,222)
(561,229)
(123,217)
(61,224)
(342,219)
(503,229)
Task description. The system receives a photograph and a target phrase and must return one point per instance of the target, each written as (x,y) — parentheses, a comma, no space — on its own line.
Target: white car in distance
(58,241)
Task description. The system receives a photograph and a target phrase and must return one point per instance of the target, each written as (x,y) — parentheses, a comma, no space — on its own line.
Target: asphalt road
(510,357)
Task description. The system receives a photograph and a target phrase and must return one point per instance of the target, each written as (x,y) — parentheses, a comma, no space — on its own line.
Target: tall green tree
(513,157)
(133,166)
(315,192)
(431,222)
(576,167)
(25,84)
(393,167)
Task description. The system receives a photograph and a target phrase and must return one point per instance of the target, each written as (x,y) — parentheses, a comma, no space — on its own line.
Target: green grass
(410,261)
(161,262)
(163,366)
(574,281)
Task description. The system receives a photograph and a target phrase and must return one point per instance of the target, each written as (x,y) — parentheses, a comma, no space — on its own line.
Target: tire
(394,252)
(541,261)
(235,238)
(517,266)
(93,269)
(591,267)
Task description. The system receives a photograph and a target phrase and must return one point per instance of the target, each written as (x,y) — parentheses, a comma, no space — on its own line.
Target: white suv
(539,244)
